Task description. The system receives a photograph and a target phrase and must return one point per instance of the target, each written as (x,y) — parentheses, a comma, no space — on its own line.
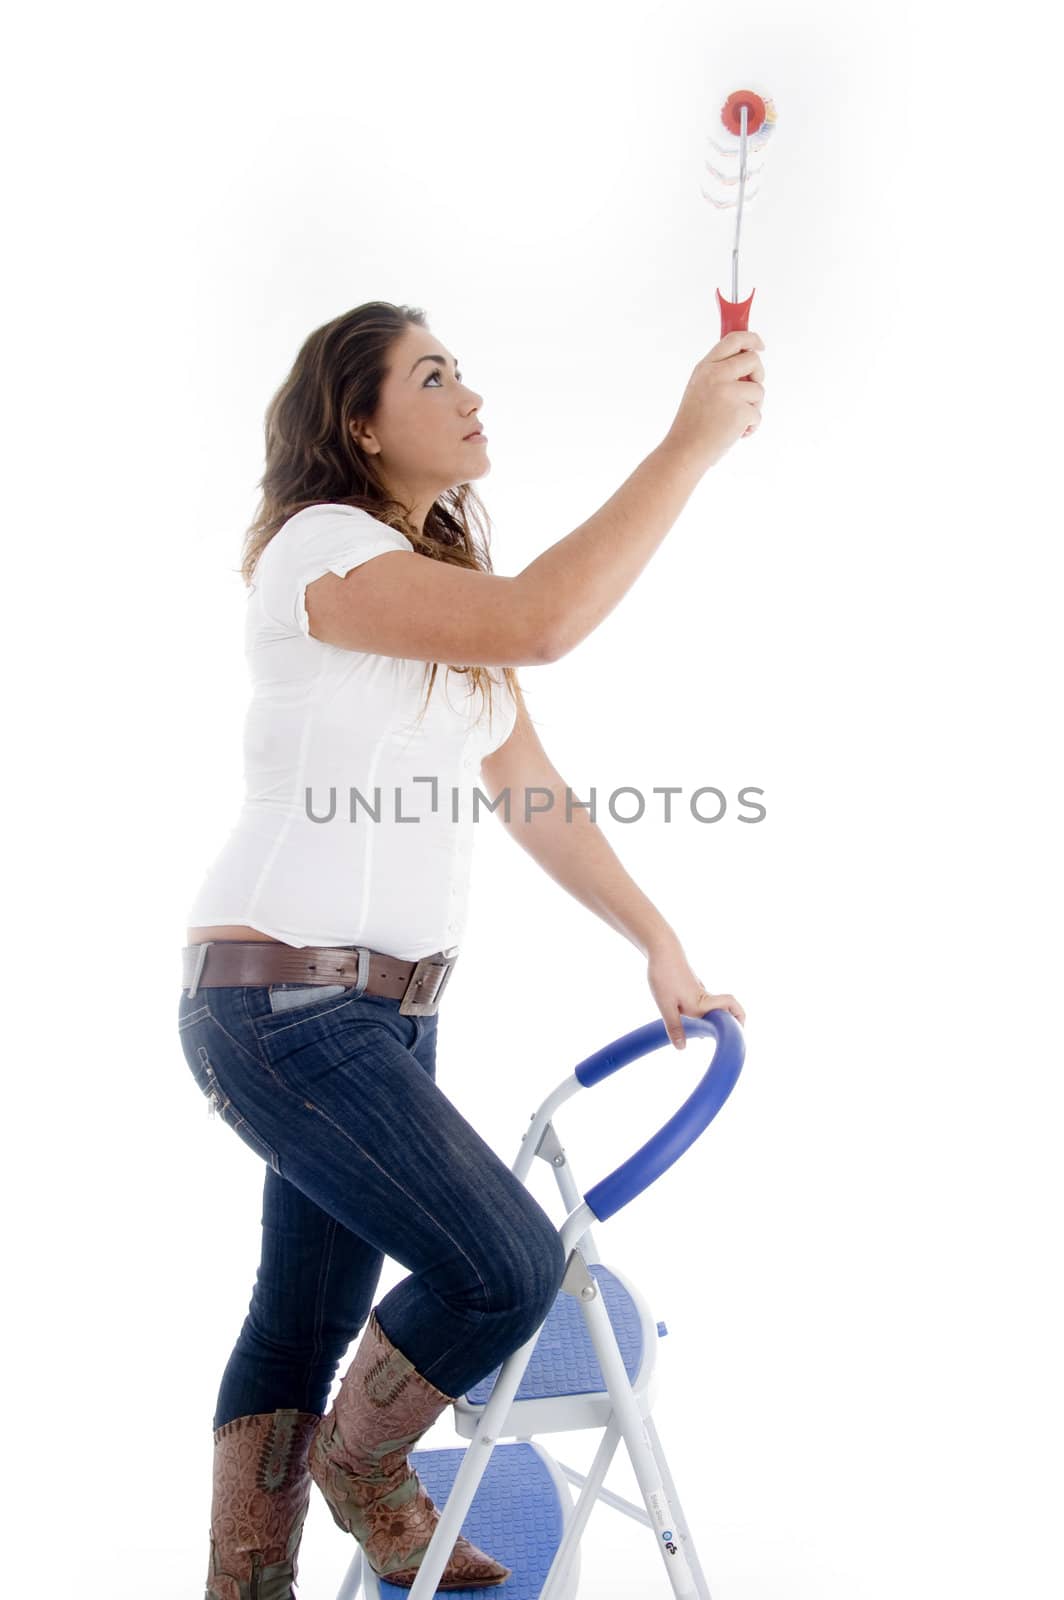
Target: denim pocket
(287,996)
(189,1014)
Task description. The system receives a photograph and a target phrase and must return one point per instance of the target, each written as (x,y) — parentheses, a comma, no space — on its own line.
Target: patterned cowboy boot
(358,1459)
(260,1498)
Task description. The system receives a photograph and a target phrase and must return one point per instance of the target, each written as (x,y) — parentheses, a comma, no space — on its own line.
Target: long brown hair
(312,458)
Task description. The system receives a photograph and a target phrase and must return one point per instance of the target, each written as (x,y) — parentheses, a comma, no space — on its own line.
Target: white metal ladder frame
(663,1512)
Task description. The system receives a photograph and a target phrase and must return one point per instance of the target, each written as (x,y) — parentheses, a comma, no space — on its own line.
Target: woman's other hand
(677,992)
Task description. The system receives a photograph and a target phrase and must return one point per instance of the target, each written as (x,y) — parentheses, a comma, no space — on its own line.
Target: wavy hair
(312,458)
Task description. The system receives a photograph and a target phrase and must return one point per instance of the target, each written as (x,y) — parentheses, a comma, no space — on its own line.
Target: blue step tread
(515,1516)
(564,1360)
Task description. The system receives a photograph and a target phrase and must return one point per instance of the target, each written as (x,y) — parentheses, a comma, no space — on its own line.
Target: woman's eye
(437,373)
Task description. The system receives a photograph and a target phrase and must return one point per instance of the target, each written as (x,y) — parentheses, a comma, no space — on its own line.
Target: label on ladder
(665,1529)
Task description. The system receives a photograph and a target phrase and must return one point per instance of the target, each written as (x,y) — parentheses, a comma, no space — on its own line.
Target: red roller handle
(735,317)
(734,314)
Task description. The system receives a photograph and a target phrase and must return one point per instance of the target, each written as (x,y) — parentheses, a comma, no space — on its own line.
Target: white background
(857,611)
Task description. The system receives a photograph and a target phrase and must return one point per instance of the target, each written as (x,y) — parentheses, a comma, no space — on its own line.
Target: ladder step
(564,1360)
(518,1516)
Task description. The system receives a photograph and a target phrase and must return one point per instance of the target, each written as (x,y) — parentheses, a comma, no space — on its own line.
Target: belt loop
(362,965)
(197,971)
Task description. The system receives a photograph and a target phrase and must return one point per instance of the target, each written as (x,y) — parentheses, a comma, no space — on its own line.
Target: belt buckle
(427,1008)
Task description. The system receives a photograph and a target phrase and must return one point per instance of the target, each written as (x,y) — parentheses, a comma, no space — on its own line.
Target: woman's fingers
(721,1002)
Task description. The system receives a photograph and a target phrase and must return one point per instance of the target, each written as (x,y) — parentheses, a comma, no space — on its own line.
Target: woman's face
(425,411)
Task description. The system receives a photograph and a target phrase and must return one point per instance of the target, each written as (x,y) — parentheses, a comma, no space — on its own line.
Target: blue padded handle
(684,1127)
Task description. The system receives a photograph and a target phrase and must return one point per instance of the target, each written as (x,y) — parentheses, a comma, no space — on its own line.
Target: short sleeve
(318,539)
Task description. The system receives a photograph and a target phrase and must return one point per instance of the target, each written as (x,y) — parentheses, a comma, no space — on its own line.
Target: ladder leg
(559,1567)
(637,1440)
(352,1579)
(682,1525)
(473,1466)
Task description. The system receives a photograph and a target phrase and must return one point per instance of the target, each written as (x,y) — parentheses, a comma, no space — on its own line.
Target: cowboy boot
(259,1502)
(358,1459)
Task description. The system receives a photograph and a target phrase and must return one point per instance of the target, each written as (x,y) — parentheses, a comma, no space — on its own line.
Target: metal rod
(739,209)
(687,1539)
(607,1495)
(640,1451)
(352,1578)
(493,1418)
(591,1492)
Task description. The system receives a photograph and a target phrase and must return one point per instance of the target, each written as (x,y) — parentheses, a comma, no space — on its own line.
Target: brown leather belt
(419,984)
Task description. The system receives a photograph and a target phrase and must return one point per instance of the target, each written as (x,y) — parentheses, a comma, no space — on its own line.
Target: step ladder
(591,1364)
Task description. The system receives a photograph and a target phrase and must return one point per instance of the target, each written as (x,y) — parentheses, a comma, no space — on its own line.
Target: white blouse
(308,861)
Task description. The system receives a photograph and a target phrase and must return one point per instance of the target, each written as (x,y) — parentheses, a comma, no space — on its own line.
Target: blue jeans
(364,1157)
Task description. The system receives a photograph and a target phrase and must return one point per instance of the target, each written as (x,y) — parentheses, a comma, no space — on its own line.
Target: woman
(326,928)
